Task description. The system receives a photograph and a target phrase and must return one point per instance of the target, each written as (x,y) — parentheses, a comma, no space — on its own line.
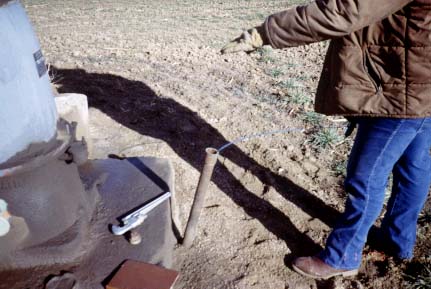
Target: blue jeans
(382,146)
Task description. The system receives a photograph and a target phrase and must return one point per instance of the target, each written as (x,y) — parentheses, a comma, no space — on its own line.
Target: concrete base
(123,185)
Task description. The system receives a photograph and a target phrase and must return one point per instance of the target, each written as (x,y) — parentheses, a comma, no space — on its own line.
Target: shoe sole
(348,273)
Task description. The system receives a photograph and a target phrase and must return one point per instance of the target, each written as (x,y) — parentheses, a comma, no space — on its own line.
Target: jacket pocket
(371,71)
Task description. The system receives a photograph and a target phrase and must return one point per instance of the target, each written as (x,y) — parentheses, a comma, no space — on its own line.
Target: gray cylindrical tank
(27,108)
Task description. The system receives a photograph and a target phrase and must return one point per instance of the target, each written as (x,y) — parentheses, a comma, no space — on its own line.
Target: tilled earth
(158,86)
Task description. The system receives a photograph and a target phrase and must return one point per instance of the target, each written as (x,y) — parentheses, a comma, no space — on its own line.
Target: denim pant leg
(411,183)
(379,144)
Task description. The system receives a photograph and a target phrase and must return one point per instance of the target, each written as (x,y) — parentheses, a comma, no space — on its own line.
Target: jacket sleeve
(326,19)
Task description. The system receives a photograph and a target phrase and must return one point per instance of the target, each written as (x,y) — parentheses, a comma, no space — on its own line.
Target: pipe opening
(211,151)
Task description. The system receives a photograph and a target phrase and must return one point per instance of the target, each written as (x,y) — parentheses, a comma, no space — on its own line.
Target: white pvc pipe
(27,108)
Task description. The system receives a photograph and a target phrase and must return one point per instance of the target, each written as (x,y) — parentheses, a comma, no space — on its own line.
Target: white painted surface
(4,219)
(27,108)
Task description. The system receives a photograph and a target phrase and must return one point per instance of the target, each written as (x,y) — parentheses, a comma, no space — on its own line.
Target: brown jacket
(379,60)
(4,2)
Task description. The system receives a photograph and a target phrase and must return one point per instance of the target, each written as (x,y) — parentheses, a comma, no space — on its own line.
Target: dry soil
(158,86)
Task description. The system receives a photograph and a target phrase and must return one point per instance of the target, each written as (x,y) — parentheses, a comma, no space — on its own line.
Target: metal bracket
(137,217)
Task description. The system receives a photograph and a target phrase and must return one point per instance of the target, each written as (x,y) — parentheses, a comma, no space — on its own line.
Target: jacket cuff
(266,36)
(263,34)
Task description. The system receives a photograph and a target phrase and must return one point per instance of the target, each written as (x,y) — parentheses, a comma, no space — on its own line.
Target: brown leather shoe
(315,268)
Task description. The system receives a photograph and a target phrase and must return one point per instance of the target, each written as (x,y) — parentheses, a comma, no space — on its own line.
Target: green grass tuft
(313,118)
(340,168)
(291,83)
(275,72)
(266,55)
(298,96)
(325,138)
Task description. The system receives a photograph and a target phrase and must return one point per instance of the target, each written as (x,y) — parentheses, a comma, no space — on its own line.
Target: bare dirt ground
(158,86)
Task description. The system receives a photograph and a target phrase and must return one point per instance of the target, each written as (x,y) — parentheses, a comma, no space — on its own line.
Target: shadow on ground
(136,106)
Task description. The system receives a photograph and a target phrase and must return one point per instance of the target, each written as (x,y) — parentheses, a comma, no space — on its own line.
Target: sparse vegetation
(274,72)
(325,137)
(275,100)
(266,55)
(312,118)
(300,97)
(291,83)
(253,17)
(340,168)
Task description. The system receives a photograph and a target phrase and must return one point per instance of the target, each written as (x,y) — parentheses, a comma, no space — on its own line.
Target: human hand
(249,41)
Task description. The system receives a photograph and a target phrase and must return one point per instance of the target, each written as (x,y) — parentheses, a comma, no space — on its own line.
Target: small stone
(134,237)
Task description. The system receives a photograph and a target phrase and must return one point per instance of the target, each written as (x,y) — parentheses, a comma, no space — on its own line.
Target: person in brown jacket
(378,71)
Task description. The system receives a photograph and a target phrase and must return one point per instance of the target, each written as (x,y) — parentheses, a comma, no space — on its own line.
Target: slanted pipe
(210,162)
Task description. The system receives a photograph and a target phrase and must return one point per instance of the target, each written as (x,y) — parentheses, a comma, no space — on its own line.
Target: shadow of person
(136,106)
